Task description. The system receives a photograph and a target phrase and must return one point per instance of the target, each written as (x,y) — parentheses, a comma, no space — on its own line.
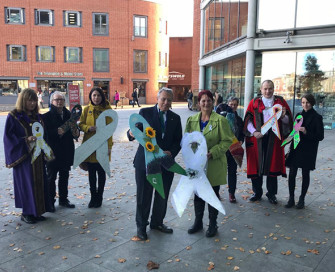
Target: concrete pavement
(251,236)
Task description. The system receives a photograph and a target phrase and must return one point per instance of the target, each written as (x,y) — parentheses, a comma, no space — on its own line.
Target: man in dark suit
(168,135)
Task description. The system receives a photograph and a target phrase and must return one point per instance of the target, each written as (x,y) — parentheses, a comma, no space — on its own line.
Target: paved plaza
(251,236)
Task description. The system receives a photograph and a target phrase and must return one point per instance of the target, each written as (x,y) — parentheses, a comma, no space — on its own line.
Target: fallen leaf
(177,260)
(236,268)
(121,260)
(211,266)
(251,251)
(56,247)
(135,238)
(41,253)
(315,251)
(230,258)
(64,258)
(97,256)
(151,265)
(188,247)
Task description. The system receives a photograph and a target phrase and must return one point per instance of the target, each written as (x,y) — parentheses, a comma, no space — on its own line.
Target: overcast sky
(180,21)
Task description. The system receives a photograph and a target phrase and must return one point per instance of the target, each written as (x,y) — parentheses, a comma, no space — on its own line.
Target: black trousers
(199,207)
(144,198)
(305,181)
(271,185)
(93,170)
(135,100)
(232,176)
(63,181)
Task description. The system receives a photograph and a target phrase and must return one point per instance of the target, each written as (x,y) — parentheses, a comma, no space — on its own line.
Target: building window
(217,28)
(100,24)
(140,26)
(160,58)
(100,60)
(44,17)
(73,54)
(72,18)
(45,53)
(160,25)
(140,61)
(16,52)
(14,16)
(166,59)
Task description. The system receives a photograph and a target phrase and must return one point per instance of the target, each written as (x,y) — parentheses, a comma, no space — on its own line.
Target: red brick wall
(181,59)
(119,42)
(196,45)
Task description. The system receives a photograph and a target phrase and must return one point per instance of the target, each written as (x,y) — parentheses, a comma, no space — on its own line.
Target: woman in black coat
(304,156)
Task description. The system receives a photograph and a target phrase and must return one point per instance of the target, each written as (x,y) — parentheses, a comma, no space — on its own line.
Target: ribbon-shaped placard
(40,144)
(72,122)
(194,151)
(295,135)
(98,142)
(154,156)
(273,121)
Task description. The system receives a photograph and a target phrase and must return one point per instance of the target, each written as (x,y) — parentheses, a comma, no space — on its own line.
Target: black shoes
(232,198)
(272,199)
(29,219)
(301,203)
(142,234)
(212,230)
(254,198)
(52,208)
(66,203)
(290,203)
(162,228)
(197,226)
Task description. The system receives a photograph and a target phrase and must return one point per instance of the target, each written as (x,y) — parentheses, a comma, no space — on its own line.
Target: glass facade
(294,14)
(295,73)
(225,21)
(228,78)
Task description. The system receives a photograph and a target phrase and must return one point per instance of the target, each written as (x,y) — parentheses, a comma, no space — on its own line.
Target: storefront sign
(74,95)
(176,76)
(32,84)
(59,74)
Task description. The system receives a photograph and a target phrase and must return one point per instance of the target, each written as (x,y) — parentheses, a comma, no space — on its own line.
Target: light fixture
(289,34)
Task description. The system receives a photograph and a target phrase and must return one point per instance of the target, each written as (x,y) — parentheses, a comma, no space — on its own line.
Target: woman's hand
(303,130)
(258,135)
(209,156)
(60,131)
(92,129)
(283,113)
(31,139)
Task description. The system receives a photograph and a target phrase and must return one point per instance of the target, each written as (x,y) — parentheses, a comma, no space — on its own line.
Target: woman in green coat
(219,136)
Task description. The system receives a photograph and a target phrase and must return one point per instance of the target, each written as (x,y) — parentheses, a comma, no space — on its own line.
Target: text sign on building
(176,76)
(74,96)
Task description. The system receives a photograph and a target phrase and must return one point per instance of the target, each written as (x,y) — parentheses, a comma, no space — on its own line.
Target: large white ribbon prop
(40,144)
(194,151)
(273,121)
(98,142)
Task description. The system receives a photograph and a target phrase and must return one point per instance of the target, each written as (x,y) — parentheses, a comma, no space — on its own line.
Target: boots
(197,226)
(93,199)
(290,202)
(99,198)
(213,227)
(301,203)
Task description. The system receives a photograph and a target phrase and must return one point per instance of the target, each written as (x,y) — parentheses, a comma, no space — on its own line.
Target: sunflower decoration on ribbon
(155,158)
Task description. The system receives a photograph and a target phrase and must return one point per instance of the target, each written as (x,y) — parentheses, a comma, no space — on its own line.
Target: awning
(14,78)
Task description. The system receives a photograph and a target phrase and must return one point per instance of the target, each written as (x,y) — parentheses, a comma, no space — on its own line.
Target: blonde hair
(24,96)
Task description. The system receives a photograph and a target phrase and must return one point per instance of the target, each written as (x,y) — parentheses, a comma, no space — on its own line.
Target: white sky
(180,18)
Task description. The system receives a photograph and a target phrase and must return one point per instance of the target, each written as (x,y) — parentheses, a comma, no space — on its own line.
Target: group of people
(34,184)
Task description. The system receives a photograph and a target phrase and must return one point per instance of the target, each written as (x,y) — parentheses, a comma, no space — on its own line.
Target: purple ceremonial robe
(30,182)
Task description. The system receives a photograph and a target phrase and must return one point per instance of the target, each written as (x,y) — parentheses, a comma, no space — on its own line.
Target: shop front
(12,86)
(141,85)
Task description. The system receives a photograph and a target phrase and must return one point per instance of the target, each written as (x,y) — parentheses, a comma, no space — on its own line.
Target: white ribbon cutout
(40,144)
(273,121)
(194,152)
(98,142)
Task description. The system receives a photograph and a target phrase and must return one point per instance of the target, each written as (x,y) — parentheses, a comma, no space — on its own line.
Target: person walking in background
(265,156)
(40,99)
(237,128)
(87,124)
(29,178)
(116,98)
(62,144)
(135,97)
(168,129)
(218,99)
(304,155)
(190,99)
(219,137)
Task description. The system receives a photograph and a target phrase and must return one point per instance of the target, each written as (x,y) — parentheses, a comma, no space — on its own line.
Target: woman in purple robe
(29,178)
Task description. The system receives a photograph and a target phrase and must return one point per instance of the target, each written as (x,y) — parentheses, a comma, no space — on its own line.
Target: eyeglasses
(59,99)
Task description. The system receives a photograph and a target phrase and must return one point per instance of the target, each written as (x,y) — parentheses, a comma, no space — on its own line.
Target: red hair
(205,92)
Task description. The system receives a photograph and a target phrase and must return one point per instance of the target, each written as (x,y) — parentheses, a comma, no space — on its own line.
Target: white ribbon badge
(40,144)
(273,121)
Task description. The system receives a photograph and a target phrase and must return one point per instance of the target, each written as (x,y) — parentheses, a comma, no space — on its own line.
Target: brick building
(112,44)
(180,65)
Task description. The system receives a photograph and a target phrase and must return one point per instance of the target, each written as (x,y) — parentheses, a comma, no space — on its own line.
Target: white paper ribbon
(273,121)
(40,144)
(98,142)
(194,151)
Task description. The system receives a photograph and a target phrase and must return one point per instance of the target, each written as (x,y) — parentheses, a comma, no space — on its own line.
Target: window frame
(79,53)
(38,17)
(22,16)
(23,52)
(66,20)
(94,62)
(93,24)
(146,26)
(38,59)
(146,61)
(212,29)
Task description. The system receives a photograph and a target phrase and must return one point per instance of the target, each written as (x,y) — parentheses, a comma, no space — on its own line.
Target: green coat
(219,137)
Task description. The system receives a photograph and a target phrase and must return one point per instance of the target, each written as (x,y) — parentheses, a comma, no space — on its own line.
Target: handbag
(84,166)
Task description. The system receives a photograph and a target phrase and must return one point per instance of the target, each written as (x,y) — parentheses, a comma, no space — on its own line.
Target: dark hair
(205,92)
(99,90)
(310,98)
